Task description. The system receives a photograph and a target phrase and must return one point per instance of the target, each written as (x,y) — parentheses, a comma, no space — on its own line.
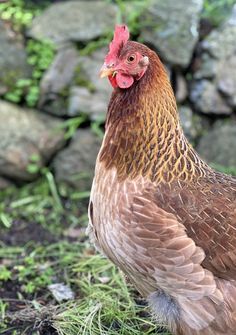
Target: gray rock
(207,67)
(61,291)
(26,137)
(232,19)
(83,101)
(54,86)
(90,67)
(226,80)
(94,98)
(218,63)
(182,89)
(72,85)
(191,123)
(74,21)
(207,99)
(172,27)
(220,43)
(75,164)
(61,71)
(4,183)
(218,146)
(13,59)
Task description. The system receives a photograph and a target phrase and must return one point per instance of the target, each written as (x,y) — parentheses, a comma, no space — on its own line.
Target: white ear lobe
(144,61)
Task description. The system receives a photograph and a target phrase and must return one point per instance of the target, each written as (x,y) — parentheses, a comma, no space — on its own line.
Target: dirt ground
(21,316)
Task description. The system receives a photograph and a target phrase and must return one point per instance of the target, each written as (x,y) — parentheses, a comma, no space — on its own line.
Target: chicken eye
(131,58)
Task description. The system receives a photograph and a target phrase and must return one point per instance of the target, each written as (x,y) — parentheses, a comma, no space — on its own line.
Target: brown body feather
(161,213)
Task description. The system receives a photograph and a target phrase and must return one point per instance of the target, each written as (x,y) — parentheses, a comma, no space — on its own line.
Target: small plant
(94,45)
(130,12)
(217,10)
(42,202)
(18,13)
(4,220)
(3,310)
(5,274)
(40,56)
(34,275)
(34,166)
(71,125)
(97,128)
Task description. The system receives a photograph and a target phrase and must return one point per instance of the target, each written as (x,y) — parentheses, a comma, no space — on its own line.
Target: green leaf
(12,96)
(5,220)
(33,168)
(5,274)
(35,158)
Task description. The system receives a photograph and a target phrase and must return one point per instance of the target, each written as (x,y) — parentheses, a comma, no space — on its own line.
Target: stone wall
(202,69)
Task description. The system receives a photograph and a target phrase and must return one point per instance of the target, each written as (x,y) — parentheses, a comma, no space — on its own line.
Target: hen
(157,210)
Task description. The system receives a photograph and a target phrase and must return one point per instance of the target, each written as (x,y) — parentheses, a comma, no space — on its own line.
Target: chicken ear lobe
(124,81)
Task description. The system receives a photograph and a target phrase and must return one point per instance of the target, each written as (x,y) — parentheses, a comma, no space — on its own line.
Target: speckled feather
(161,213)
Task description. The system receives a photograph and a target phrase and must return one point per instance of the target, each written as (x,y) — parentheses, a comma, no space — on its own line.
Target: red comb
(121,36)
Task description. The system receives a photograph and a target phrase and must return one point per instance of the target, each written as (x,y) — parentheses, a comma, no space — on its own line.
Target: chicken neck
(143,133)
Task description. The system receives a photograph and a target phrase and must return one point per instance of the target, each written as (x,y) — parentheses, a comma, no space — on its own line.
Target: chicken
(157,210)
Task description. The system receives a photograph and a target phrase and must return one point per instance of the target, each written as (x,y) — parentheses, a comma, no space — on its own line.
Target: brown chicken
(157,210)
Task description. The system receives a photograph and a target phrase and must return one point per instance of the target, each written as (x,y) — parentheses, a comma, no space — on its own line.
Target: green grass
(43,202)
(231,170)
(103,304)
(104,308)
(19,14)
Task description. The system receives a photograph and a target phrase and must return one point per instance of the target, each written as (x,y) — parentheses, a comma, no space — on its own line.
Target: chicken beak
(106,71)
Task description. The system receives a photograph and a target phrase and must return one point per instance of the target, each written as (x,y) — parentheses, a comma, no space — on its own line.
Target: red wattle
(113,81)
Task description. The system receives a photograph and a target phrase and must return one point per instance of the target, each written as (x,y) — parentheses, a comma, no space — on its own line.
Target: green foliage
(40,56)
(130,13)
(42,202)
(18,13)
(79,77)
(33,274)
(5,274)
(217,10)
(97,128)
(71,125)
(94,45)
(34,166)
(37,269)
(3,307)
(4,220)
(231,170)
